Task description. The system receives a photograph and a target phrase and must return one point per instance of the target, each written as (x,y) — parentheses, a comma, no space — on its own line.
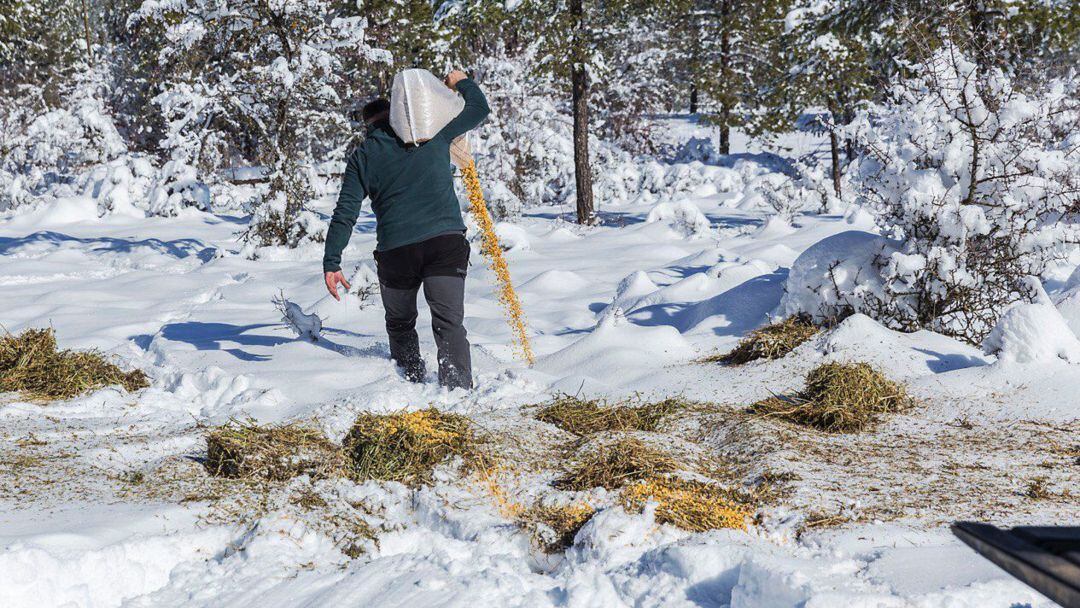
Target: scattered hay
(839,397)
(507,506)
(587,416)
(614,464)
(1039,489)
(132,477)
(554,527)
(770,342)
(817,519)
(31,364)
(691,505)
(247,450)
(407,446)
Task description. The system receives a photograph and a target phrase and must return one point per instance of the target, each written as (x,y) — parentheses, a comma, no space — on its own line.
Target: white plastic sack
(421,105)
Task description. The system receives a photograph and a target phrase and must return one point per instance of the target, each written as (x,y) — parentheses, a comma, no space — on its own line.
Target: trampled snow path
(620,309)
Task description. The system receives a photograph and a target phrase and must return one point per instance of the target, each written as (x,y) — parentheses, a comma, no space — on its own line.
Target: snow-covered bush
(124,186)
(682,216)
(979,180)
(262,80)
(1032,333)
(282,219)
(837,276)
(521,148)
(784,196)
(48,147)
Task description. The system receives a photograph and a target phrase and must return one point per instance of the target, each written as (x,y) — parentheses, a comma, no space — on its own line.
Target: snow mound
(512,237)
(54,212)
(634,285)
(1032,333)
(42,571)
(901,355)
(617,350)
(556,282)
(632,289)
(775,227)
(733,273)
(682,216)
(214,393)
(1068,304)
(830,277)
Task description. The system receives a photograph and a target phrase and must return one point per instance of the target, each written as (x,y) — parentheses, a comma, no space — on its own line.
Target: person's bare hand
(332,280)
(454,77)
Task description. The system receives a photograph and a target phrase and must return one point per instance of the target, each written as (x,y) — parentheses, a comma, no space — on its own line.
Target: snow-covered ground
(96,499)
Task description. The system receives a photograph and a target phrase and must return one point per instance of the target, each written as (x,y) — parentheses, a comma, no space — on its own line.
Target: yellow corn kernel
(489,247)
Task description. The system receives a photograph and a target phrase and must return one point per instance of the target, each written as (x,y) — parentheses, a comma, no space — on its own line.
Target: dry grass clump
(407,446)
(614,464)
(554,527)
(31,364)
(587,416)
(691,505)
(839,397)
(770,342)
(1039,489)
(247,450)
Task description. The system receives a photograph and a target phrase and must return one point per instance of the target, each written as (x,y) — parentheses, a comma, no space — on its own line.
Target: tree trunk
(834,144)
(725,77)
(87,36)
(586,212)
(693,99)
(725,131)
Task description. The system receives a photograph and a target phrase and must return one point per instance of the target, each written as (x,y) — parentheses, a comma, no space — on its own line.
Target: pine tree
(263,81)
(727,50)
(838,54)
(584,40)
(41,41)
(411,32)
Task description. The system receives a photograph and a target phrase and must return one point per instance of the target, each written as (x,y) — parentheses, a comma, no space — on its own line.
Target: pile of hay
(246,450)
(554,527)
(31,364)
(588,416)
(407,446)
(614,464)
(839,397)
(770,342)
(691,505)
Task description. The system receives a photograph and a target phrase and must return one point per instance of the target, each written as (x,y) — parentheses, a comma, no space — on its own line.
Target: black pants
(439,264)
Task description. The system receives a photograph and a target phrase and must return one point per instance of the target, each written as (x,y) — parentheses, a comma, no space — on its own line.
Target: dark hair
(375,107)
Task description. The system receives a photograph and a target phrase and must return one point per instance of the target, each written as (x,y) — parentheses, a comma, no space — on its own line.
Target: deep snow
(621,309)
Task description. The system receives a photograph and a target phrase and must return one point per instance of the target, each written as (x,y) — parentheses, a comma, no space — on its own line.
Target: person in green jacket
(420,236)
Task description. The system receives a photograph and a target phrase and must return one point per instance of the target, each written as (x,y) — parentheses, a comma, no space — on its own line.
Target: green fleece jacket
(411,187)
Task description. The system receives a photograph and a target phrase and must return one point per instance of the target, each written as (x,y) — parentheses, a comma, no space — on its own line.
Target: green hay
(407,446)
(614,464)
(588,416)
(246,450)
(839,397)
(31,364)
(770,342)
